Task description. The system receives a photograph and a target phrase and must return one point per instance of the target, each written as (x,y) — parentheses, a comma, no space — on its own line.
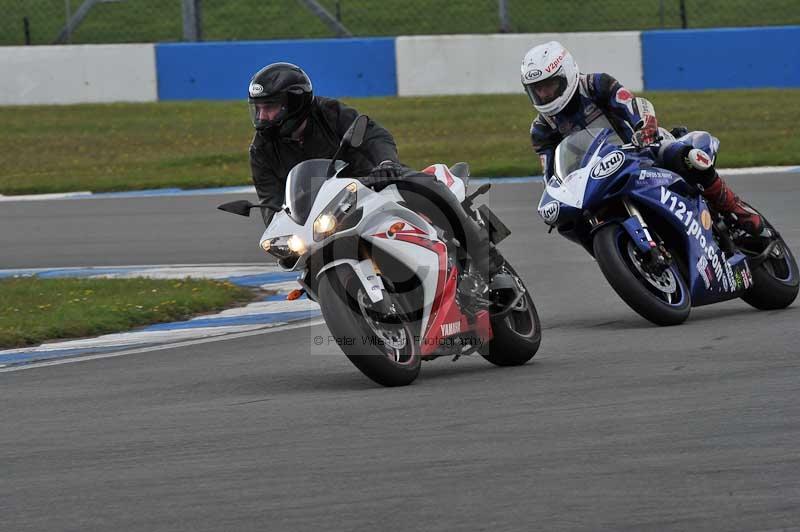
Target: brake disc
(665,282)
(391,337)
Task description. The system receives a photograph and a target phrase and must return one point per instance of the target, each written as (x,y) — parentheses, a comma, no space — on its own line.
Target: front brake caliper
(657,260)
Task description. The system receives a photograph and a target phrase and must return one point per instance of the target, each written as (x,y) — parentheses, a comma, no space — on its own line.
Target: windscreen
(303,184)
(571,154)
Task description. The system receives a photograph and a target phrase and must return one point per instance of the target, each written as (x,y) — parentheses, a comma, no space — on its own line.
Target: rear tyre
(385,351)
(517,335)
(663,299)
(776,280)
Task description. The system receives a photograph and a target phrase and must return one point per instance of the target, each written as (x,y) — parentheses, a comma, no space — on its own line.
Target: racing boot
(477,242)
(480,250)
(722,199)
(719,196)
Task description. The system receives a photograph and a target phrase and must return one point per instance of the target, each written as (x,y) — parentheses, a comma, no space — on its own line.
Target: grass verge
(35,310)
(204,144)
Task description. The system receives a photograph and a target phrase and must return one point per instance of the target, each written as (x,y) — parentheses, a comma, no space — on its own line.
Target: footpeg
(470,291)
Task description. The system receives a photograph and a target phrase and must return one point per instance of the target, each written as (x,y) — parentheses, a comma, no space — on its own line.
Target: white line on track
(84,358)
(758,170)
(261,316)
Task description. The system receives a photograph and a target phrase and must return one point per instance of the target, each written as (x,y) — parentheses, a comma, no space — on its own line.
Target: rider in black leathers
(293,125)
(568,101)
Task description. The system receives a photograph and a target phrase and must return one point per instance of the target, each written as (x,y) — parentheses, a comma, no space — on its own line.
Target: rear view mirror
(352,138)
(358,130)
(240,207)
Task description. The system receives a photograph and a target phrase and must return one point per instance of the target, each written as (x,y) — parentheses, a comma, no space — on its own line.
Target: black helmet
(281,87)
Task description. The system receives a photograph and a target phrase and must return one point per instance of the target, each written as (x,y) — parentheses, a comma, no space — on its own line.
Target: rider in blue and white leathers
(568,101)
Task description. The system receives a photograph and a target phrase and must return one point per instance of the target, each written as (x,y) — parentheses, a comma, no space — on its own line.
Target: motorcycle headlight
(325,224)
(283,247)
(340,213)
(296,244)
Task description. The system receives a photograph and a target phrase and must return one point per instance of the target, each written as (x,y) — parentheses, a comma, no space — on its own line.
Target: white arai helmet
(550,77)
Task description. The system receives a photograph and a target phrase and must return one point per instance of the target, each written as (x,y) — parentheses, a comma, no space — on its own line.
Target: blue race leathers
(600,101)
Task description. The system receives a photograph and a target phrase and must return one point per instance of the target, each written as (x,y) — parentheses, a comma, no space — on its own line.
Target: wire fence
(125,21)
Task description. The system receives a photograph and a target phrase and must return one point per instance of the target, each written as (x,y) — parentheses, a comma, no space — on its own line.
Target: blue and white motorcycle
(653,236)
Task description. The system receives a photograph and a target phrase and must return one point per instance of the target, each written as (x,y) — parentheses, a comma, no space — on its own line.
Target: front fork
(656,257)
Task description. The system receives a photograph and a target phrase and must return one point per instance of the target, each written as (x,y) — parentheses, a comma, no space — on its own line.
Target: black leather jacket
(271,159)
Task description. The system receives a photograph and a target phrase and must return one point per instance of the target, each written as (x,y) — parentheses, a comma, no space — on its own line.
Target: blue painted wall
(222,70)
(672,60)
(721,58)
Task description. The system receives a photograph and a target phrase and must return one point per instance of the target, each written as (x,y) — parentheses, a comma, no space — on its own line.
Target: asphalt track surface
(615,425)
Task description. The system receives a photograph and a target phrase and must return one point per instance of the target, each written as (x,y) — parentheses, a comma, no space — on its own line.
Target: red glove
(646,134)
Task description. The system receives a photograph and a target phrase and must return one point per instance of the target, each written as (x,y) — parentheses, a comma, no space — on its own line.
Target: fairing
(606,171)
(304,183)
(415,244)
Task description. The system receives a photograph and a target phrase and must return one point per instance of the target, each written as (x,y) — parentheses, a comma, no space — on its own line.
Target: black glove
(679,131)
(388,169)
(383,174)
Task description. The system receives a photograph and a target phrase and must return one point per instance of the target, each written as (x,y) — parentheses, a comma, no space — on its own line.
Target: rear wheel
(663,299)
(775,280)
(378,340)
(518,333)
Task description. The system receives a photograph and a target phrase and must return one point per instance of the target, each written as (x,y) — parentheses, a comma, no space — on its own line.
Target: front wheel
(663,299)
(517,333)
(376,340)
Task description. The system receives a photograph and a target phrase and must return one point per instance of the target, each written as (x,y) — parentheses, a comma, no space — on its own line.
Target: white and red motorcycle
(393,289)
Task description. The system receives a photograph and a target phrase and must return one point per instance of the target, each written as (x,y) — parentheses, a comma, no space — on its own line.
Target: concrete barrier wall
(479,64)
(77,74)
(408,66)
(730,58)
(222,71)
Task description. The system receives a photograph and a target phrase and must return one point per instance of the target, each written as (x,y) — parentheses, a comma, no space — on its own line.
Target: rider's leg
(431,197)
(696,166)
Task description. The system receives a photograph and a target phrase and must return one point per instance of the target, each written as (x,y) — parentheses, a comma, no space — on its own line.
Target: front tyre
(663,299)
(382,347)
(518,333)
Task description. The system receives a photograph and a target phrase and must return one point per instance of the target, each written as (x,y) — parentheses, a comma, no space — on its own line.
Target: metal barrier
(129,21)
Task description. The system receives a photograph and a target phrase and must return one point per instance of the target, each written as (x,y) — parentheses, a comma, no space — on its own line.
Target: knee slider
(700,166)
(698,159)
(693,164)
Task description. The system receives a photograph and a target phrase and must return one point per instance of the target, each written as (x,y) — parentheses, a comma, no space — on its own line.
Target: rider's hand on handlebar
(383,174)
(388,169)
(647,134)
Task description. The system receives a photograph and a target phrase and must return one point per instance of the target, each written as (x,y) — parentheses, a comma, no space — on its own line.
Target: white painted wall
(34,75)
(487,64)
